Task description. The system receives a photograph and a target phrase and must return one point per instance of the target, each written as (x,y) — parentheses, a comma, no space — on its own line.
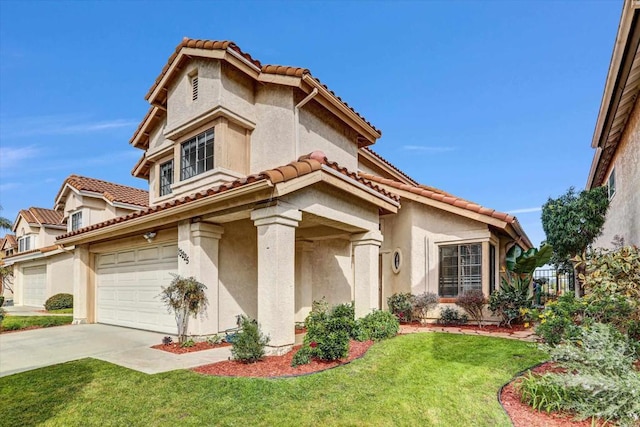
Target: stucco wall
(60,274)
(238,273)
(332,272)
(623,217)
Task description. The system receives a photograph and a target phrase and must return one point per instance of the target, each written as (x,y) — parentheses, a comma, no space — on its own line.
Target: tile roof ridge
(388,163)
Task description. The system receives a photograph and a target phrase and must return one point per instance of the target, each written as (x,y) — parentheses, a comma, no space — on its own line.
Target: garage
(35,285)
(128,285)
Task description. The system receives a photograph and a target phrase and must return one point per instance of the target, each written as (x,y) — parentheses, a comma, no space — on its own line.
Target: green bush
(379,325)
(473,303)
(401,305)
(559,319)
(58,302)
(1,299)
(599,381)
(248,344)
(511,300)
(451,316)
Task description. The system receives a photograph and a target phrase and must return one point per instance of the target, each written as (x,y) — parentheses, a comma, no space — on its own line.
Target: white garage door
(35,285)
(128,285)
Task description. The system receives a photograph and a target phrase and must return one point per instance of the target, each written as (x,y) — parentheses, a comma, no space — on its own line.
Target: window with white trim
(166,177)
(76,221)
(460,269)
(196,155)
(25,243)
(611,183)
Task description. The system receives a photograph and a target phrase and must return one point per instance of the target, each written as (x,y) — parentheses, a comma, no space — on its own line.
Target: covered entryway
(128,283)
(35,285)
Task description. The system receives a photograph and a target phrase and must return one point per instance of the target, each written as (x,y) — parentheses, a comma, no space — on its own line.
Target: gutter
(296,121)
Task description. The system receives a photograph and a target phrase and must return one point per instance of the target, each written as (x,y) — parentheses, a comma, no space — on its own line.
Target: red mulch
(523,415)
(279,366)
(199,346)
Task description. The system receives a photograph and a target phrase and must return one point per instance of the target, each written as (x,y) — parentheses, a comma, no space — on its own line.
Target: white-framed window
(460,269)
(166,177)
(25,243)
(76,221)
(196,155)
(611,183)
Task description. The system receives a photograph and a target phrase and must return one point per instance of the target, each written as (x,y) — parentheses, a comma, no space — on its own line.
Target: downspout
(296,118)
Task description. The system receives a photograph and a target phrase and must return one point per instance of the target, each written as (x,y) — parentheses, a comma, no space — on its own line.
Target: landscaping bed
(280,366)
(199,346)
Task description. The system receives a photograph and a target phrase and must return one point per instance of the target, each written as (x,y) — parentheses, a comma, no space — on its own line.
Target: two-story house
(616,138)
(41,267)
(262,186)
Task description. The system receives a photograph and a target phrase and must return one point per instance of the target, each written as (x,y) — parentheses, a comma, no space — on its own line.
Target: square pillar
(81,283)
(276,226)
(205,240)
(366,249)
(304,287)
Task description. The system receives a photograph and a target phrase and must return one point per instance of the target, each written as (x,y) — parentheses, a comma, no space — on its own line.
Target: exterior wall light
(149,236)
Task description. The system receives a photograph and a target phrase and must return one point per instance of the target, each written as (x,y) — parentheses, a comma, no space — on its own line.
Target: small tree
(186,298)
(249,343)
(572,222)
(473,301)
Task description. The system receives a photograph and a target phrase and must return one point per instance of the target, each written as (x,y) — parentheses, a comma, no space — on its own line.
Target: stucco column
(276,226)
(304,287)
(205,240)
(366,248)
(81,282)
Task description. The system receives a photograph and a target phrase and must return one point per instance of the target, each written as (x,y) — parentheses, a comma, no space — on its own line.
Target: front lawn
(14,323)
(420,379)
(61,311)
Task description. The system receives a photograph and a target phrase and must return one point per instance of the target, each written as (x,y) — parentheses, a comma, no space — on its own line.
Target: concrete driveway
(24,351)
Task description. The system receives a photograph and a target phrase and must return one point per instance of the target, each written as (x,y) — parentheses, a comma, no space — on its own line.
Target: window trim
(459,272)
(72,215)
(164,189)
(24,247)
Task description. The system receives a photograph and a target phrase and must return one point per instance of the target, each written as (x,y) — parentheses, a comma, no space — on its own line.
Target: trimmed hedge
(58,302)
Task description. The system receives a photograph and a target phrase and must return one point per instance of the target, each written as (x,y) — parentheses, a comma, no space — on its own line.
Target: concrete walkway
(25,310)
(526,335)
(27,350)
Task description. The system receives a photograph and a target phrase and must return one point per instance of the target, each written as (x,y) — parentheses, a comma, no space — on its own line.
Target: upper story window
(166,177)
(76,221)
(25,243)
(196,155)
(460,269)
(611,183)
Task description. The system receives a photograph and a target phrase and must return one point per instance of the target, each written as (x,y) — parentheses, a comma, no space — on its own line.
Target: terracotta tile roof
(435,194)
(10,239)
(303,166)
(42,216)
(266,69)
(109,190)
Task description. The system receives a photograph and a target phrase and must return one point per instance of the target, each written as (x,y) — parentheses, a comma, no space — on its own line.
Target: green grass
(420,379)
(14,323)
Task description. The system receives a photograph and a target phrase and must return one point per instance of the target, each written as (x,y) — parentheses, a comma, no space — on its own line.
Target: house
(263,186)
(41,267)
(616,138)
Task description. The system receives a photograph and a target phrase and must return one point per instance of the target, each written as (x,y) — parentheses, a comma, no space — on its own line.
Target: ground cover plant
(398,382)
(15,323)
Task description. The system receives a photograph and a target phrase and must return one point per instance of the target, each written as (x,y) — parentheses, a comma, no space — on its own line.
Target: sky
(492,101)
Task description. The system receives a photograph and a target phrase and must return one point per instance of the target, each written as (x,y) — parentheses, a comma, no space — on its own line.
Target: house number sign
(182,254)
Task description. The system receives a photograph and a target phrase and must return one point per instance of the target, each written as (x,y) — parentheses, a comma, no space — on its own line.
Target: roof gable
(109,191)
(40,217)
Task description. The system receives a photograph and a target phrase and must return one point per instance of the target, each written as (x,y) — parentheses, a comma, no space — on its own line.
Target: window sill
(447,300)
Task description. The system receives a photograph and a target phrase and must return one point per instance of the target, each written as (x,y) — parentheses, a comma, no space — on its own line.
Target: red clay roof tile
(110,191)
(42,216)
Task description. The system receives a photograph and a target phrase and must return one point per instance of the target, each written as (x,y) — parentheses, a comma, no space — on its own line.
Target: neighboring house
(617,134)
(261,186)
(8,246)
(41,267)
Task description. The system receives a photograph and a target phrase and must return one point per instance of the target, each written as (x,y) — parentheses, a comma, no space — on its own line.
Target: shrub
(215,339)
(473,303)
(510,300)
(559,319)
(423,303)
(401,305)
(188,343)
(58,302)
(599,381)
(1,300)
(186,298)
(2,314)
(248,344)
(167,340)
(379,325)
(451,316)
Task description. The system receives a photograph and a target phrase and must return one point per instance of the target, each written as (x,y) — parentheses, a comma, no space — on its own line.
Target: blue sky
(493,101)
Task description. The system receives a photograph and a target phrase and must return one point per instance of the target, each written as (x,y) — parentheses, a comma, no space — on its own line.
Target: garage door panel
(34,285)
(128,292)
